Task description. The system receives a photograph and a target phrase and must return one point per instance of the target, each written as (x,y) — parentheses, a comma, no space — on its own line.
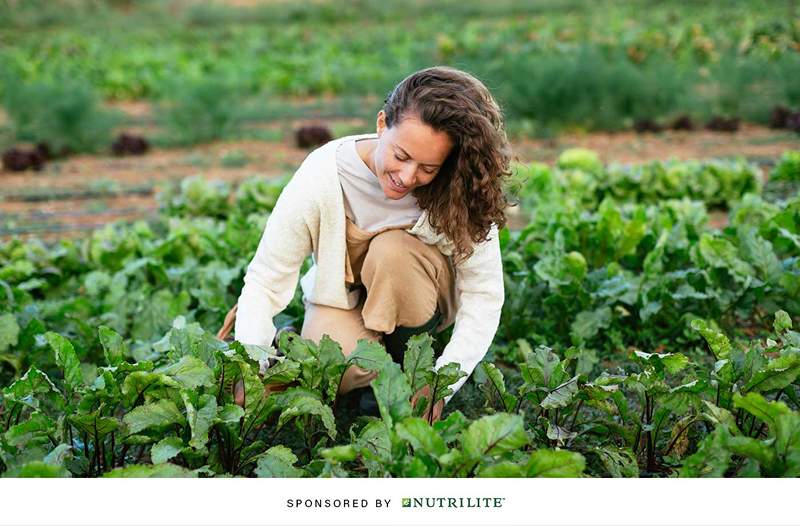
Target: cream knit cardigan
(309,218)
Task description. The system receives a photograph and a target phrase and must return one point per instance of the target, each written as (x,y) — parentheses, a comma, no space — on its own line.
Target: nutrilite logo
(453,502)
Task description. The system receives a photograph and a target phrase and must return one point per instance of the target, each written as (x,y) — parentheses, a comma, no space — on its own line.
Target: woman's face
(407,155)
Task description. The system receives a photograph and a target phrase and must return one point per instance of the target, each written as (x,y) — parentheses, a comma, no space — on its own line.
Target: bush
(748,86)
(202,111)
(64,115)
(586,87)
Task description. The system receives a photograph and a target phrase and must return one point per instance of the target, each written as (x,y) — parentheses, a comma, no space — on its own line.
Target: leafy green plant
(787,168)
(196,197)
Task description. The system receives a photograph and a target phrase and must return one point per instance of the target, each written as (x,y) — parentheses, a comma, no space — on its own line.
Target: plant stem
(122,454)
(112,450)
(244,401)
(97,452)
(221,383)
(675,439)
(575,416)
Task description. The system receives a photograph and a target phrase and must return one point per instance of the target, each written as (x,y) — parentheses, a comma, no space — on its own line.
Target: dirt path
(82,192)
(752,141)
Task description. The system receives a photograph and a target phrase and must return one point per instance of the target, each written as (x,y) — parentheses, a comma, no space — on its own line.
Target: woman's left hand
(437,408)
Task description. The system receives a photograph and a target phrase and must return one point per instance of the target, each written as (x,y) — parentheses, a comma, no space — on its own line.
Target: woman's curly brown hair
(466,197)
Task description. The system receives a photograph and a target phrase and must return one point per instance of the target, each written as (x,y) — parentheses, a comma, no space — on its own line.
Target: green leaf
(720,417)
(493,435)
(555,463)
(66,359)
(421,436)
(752,448)
(39,469)
(330,352)
(9,331)
(369,355)
(281,373)
(138,383)
(93,424)
(418,360)
(345,453)
(674,362)
(277,462)
(392,393)
(33,386)
(779,373)
(58,455)
(165,450)
(558,433)
(712,458)
(562,395)
(586,359)
(190,372)
(230,414)
(34,431)
(443,378)
(200,417)
(308,405)
(155,317)
(588,323)
(718,252)
(504,469)
(494,386)
(139,471)
(559,268)
(114,347)
(542,368)
(414,467)
(671,362)
(759,252)
(375,443)
(451,427)
(331,363)
(619,462)
(156,414)
(717,341)
(787,445)
(782,321)
(761,408)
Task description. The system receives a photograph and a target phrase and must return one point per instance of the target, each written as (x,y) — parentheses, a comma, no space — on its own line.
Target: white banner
(398,501)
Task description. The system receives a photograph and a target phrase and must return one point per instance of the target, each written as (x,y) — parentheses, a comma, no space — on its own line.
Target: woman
(403,226)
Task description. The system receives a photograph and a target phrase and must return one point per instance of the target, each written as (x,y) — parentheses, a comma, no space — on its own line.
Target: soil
(751,141)
(63,200)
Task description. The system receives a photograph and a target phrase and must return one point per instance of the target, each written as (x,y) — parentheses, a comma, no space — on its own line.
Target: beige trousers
(402,282)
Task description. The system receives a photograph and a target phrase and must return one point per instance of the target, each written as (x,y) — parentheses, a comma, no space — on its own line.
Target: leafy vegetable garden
(636,340)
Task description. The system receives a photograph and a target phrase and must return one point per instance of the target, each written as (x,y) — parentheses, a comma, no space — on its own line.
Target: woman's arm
(272,274)
(479,301)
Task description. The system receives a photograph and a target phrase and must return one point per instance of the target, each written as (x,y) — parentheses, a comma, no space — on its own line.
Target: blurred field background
(218,89)
(651,269)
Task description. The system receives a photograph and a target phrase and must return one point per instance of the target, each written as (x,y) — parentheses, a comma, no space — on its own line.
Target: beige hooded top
(309,218)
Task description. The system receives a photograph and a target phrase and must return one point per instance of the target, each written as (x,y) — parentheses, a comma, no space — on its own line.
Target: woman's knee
(396,254)
(345,327)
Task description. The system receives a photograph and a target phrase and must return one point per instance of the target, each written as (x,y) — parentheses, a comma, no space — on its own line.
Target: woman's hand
(437,409)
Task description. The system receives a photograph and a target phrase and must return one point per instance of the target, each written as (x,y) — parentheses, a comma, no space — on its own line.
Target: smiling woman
(403,226)
(397,170)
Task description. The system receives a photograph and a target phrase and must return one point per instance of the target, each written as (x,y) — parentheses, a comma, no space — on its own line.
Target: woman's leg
(406,280)
(345,327)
